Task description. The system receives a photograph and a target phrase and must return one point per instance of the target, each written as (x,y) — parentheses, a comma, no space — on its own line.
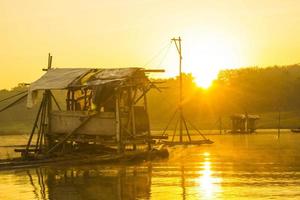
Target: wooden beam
(132,103)
(49,66)
(147,112)
(154,70)
(118,125)
(34,125)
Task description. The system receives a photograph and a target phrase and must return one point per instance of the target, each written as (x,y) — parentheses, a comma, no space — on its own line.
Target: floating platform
(296,130)
(80,158)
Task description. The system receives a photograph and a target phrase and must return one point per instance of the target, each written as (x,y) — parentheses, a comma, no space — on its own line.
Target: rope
(13,96)
(157,54)
(196,129)
(13,103)
(165,55)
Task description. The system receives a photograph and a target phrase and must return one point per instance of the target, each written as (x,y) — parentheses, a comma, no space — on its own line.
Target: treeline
(16,119)
(252,90)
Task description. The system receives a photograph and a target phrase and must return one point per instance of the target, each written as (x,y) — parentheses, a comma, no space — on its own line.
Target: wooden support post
(187,130)
(49,61)
(147,112)
(177,42)
(73,100)
(118,125)
(41,126)
(85,96)
(48,110)
(68,100)
(34,126)
(55,101)
(175,129)
(133,117)
(47,124)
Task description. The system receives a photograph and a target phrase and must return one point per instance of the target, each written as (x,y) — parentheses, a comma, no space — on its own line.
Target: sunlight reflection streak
(209,186)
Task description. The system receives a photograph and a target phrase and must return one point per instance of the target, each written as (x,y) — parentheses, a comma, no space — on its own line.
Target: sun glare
(205,57)
(204,80)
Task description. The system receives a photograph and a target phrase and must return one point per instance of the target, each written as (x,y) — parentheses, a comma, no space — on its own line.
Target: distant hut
(102,107)
(243,123)
(251,123)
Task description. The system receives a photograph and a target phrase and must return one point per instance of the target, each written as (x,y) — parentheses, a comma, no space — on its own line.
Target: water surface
(258,166)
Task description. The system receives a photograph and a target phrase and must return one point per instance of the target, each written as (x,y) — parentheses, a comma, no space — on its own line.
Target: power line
(165,55)
(157,54)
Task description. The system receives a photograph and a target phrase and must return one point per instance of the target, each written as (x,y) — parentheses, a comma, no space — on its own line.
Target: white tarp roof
(61,78)
(58,78)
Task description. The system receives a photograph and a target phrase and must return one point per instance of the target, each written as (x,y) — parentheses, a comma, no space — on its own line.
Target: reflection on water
(234,167)
(209,186)
(82,183)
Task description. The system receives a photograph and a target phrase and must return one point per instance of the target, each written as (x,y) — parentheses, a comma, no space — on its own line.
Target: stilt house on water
(243,123)
(103,108)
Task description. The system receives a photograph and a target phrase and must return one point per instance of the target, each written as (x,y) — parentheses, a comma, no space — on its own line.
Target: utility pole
(181,119)
(177,42)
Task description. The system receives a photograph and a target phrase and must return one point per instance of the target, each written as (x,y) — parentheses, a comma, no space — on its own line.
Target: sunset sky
(128,33)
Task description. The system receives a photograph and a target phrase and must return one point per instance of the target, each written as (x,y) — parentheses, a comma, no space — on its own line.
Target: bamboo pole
(133,116)
(147,112)
(34,126)
(41,126)
(118,125)
(48,110)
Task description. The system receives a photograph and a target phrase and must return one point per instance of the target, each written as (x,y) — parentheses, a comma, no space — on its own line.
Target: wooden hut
(238,123)
(251,123)
(103,108)
(243,123)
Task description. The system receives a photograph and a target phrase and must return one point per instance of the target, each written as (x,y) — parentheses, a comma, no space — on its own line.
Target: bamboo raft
(83,159)
(103,110)
(88,115)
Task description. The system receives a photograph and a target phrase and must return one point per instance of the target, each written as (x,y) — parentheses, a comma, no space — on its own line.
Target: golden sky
(127,33)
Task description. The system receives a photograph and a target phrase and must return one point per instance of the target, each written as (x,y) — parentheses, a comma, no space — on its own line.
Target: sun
(204,83)
(205,57)
(204,80)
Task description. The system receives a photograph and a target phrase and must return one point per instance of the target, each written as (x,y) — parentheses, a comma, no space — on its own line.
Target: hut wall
(102,124)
